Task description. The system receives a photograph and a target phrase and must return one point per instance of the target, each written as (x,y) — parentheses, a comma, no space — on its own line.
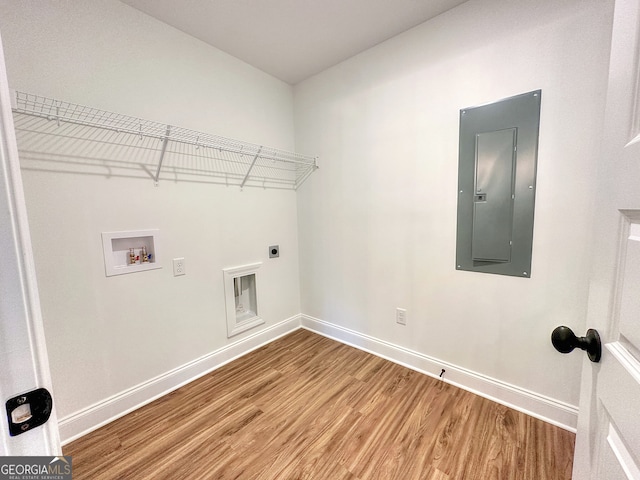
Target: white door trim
(23,351)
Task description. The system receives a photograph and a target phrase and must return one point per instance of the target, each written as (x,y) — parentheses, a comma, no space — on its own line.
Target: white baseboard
(539,406)
(95,416)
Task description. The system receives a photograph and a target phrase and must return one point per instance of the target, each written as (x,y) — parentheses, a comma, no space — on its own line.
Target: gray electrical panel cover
(496,185)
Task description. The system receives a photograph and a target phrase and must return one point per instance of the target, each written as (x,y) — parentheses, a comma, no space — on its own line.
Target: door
(24,365)
(608,437)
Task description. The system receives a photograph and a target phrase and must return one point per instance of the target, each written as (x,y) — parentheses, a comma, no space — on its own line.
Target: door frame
(23,350)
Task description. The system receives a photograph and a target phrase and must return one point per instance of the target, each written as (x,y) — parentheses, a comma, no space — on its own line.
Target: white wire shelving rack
(59,136)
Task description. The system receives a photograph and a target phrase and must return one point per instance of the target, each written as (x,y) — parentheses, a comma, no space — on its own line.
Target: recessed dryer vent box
(497,184)
(241,298)
(118,248)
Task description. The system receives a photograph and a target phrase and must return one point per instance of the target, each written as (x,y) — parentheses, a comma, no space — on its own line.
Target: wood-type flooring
(307,407)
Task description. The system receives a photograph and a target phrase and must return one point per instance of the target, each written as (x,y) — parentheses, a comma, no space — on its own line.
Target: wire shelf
(59,136)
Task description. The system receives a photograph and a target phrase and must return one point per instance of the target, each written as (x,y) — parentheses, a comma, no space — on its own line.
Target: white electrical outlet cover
(179,267)
(401,316)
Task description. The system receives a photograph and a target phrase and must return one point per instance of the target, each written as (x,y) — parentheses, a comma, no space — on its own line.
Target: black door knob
(564,341)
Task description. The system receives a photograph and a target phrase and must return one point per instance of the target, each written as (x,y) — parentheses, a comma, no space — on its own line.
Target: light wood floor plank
(307,407)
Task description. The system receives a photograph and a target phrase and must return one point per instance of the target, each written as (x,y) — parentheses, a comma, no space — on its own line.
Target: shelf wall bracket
(165,141)
(306,175)
(250,167)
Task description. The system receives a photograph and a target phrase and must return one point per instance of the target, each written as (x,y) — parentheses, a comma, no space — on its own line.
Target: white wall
(106,335)
(377,222)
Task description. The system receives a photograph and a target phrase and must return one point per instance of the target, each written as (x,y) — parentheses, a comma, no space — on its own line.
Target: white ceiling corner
(293,39)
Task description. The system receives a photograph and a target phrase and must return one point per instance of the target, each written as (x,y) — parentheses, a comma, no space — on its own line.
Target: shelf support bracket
(162,152)
(313,168)
(251,167)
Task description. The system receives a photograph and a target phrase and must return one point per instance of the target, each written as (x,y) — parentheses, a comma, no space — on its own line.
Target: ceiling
(293,39)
